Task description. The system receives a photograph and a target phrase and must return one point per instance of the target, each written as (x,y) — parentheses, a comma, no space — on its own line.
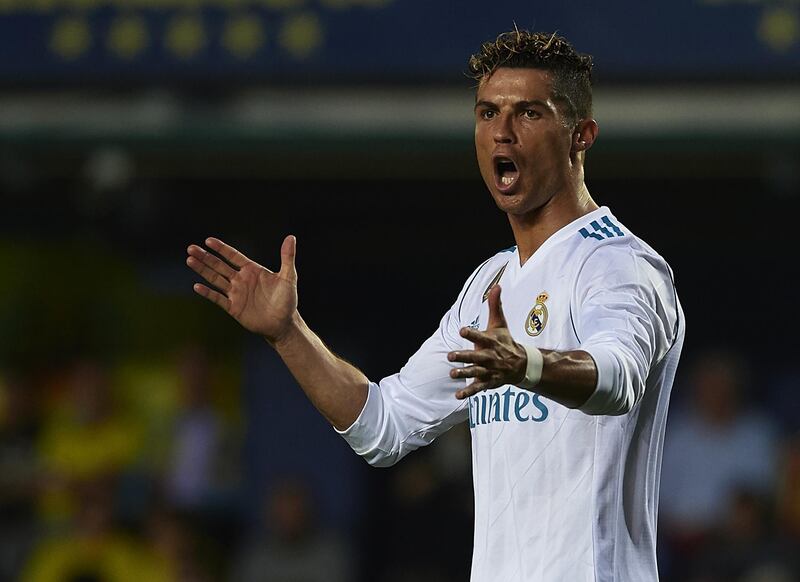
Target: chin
(510,203)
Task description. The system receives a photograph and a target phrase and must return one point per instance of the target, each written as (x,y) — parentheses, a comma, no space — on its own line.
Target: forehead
(516,84)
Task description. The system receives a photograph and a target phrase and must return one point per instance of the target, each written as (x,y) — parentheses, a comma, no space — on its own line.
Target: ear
(584,135)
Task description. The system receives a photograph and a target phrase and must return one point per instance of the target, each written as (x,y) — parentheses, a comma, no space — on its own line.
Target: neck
(532,229)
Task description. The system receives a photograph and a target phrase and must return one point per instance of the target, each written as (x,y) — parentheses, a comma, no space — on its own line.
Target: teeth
(506,180)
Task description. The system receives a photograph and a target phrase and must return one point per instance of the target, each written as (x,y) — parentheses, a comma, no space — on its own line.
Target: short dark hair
(571,71)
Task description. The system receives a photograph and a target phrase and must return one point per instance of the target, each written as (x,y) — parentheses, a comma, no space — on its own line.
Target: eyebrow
(518,105)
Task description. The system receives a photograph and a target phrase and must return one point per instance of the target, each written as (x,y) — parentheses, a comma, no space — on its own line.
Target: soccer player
(560,352)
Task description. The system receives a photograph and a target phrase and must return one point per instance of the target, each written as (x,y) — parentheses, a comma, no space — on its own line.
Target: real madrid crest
(537,318)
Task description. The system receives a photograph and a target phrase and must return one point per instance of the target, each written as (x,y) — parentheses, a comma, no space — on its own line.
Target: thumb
(288,252)
(496,317)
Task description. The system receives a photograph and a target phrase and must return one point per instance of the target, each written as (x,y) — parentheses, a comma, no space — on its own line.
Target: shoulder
(606,248)
(617,263)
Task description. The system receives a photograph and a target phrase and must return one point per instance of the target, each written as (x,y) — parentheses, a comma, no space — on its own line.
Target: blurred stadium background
(144,436)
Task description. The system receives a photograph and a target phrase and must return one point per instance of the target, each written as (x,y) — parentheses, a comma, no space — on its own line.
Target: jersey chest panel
(522,424)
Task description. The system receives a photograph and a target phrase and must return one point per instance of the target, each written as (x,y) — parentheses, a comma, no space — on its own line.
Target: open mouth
(506,173)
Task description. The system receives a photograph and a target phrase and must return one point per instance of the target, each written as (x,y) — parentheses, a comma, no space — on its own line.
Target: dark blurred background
(144,435)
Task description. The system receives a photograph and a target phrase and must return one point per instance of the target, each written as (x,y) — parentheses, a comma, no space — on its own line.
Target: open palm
(261,300)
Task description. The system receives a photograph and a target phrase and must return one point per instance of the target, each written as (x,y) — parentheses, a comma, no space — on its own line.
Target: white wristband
(533,372)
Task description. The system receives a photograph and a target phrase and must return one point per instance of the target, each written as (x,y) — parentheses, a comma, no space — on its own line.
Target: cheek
(549,153)
(483,149)
(562,144)
(482,139)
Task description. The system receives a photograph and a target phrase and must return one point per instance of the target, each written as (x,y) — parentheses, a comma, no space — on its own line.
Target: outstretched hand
(496,360)
(261,300)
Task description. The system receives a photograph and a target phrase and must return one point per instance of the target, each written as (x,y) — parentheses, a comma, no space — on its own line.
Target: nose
(503,129)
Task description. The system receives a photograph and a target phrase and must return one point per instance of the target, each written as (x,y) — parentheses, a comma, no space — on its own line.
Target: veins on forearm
(569,378)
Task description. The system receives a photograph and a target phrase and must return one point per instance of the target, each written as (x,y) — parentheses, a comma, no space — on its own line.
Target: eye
(488,114)
(531,114)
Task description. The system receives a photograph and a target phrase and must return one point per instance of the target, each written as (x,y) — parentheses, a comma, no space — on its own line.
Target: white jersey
(560,494)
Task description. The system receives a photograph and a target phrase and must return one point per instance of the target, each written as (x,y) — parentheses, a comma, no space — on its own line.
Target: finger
(288,252)
(472,389)
(212,261)
(496,317)
(213,296)
(481,357)
(229,253)
(470,372)
(209,274)
(475,336)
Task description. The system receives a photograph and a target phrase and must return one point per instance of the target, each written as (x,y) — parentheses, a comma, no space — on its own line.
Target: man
(567,386)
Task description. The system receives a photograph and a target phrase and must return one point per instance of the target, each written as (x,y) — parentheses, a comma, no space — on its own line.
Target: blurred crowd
(102,479)
(179,472)
(730,479)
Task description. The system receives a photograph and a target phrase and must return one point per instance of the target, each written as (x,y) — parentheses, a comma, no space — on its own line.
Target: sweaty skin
(517,120)
(516,117)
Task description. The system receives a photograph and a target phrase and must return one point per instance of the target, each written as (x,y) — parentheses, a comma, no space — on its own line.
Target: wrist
(287,335)
(533,368)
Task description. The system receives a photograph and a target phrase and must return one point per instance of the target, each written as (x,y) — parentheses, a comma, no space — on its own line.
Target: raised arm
(265,302)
